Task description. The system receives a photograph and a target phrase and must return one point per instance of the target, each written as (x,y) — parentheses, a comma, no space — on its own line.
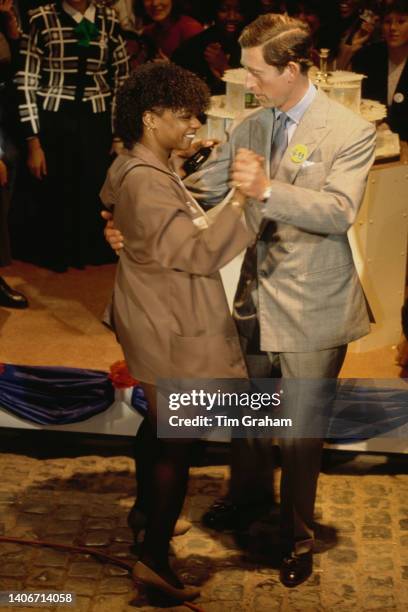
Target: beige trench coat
(169,308)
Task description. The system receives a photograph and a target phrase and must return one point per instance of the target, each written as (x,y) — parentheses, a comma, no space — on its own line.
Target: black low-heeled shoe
(10,298)
(295,569)
(223,515)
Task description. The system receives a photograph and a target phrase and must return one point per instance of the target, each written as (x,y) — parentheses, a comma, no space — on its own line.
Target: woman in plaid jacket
(72,62)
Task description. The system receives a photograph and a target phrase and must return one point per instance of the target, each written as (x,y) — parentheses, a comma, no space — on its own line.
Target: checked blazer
(53,70)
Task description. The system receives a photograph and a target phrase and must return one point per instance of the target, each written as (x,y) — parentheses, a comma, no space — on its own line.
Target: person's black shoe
(10,298)
(226,516)
(295,569)
(221,515)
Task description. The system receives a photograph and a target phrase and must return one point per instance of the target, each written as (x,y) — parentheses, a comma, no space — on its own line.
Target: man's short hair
(283,39)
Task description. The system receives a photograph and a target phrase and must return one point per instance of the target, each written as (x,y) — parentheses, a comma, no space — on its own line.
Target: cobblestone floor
(84,500)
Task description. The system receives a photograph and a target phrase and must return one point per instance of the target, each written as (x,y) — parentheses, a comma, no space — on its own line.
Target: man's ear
(293,70)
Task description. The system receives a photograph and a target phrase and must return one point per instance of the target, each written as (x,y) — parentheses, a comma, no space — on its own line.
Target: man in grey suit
(302,160)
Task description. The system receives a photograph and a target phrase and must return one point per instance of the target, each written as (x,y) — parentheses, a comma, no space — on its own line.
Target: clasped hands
(248,174)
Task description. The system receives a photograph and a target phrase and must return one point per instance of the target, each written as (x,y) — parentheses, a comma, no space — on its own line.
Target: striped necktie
(278,148)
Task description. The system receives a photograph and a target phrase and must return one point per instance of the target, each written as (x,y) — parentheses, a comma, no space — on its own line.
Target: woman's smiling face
(158,10)
(230,17)
(173,129)
(348,8)
(395,30)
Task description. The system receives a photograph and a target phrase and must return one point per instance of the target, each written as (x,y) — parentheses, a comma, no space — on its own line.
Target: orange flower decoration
(120,376)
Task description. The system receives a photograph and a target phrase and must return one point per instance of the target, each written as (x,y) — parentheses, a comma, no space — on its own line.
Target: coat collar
(89,14)
(147,157)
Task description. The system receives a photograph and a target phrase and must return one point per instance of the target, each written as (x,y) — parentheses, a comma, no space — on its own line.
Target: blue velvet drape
(57,395)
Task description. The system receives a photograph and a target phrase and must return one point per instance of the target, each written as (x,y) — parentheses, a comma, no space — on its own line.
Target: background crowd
(60,67)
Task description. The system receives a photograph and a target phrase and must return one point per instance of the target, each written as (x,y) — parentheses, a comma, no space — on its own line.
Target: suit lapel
(311,130)
(260,135)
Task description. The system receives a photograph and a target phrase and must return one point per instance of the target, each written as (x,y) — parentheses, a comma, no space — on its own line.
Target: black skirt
(76,143)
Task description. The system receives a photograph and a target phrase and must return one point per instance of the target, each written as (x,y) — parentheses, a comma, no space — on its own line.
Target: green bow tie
(86,31)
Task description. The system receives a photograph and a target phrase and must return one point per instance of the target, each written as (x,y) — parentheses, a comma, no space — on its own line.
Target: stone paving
(84,500)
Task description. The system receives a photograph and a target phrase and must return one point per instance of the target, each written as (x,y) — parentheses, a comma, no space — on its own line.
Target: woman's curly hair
(156,86)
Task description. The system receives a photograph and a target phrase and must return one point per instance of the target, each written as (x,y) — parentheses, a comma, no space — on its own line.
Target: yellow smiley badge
(299,153)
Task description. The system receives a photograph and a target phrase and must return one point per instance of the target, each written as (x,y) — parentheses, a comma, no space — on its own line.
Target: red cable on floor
(87,551)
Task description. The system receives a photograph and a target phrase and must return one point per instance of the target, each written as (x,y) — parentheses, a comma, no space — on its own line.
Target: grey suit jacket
(309,296)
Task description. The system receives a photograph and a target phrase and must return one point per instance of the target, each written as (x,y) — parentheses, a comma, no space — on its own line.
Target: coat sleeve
(333,208)
(27,78)
(155,223)
(119,57)
(210,184)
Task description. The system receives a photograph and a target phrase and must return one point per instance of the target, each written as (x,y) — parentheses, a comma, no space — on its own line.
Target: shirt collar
(77,16)
(296,113)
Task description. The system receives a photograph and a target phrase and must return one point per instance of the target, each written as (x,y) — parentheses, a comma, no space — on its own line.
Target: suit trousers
(252,464)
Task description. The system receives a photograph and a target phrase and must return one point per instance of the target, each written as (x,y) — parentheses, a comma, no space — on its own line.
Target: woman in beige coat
(169,307)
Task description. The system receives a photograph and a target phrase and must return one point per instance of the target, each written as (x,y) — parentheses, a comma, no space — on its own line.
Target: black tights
(146,451)
(162,476)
